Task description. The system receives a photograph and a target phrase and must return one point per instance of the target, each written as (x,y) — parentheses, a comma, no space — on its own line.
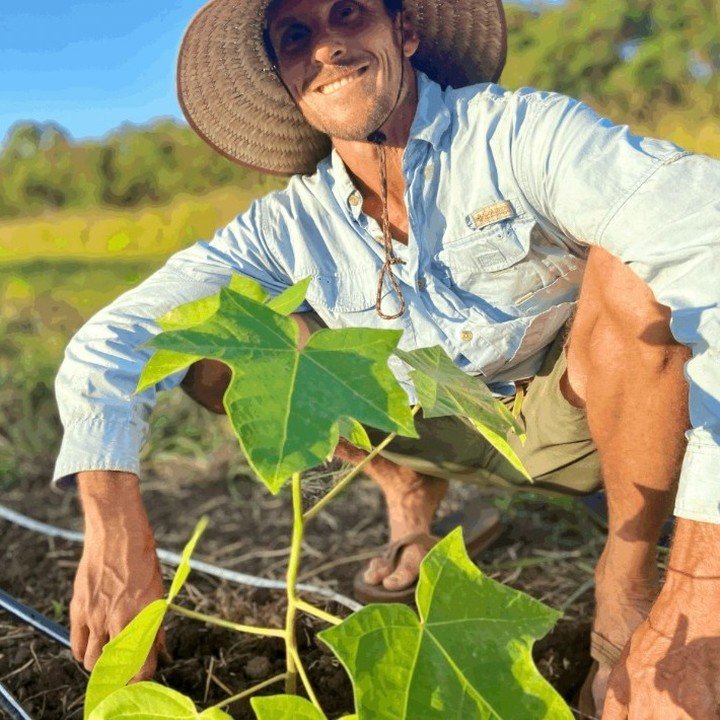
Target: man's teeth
(332,87)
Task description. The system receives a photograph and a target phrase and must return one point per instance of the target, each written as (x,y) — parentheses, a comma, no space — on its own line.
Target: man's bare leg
(626,369)
(411,500)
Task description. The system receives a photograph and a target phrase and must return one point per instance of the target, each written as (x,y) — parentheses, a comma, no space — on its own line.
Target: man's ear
(411,39)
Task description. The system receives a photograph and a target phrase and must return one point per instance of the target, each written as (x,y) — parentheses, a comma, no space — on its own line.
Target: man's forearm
(118,574)
(112,505)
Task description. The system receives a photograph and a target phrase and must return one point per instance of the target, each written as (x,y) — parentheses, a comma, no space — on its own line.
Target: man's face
(341,60)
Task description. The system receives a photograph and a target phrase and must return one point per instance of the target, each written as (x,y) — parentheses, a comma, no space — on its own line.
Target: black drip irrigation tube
(59,634)
(34,618)
(11,706)
(31,617)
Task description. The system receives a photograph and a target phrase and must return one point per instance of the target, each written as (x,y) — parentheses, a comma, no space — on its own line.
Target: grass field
(151,232)
(55,273)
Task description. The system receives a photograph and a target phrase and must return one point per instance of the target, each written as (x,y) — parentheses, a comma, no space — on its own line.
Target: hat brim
(232,98)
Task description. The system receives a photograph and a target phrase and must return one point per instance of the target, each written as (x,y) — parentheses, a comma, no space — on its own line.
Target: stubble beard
(356,126)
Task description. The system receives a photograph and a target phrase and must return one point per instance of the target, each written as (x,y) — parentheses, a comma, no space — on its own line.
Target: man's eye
(346,10)
(293,36)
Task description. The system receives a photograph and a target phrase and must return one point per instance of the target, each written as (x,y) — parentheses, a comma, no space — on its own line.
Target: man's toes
(377,570)
(406,573)
(404,576)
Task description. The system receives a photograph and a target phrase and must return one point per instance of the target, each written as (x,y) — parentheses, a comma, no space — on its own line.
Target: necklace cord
(390,258)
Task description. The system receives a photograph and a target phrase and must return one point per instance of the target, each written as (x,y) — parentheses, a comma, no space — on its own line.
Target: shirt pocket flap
(342,293)
(493,248)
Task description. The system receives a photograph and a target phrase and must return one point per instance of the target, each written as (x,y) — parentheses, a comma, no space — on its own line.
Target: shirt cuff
(698,495)
(98,444)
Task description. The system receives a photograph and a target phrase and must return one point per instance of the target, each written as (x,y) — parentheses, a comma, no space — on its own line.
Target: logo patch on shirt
(502,210)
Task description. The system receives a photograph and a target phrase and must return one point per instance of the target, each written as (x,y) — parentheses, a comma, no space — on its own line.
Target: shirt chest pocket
(500,264)
(334,296)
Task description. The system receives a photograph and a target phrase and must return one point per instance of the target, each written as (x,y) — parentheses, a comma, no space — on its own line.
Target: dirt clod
(258,667)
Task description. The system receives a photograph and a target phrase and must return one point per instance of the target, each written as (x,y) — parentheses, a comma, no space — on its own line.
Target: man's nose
(329,48)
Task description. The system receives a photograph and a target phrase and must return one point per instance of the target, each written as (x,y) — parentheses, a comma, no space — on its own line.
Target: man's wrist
(112,502)
(687,605)
(696,550)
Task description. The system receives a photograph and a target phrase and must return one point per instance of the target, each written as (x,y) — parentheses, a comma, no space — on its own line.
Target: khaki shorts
(558,452)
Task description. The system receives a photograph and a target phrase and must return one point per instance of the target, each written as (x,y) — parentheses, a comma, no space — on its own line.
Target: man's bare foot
(411,500)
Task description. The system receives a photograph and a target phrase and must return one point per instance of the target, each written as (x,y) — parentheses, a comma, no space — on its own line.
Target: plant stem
(306,681)
(344,482)
(268,632)
(250,691)
(317,612)
(292,573)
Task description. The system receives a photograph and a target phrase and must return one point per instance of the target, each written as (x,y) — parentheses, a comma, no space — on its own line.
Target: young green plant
(288,407)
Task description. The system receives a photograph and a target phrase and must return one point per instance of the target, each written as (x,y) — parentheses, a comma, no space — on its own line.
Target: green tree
(636,58)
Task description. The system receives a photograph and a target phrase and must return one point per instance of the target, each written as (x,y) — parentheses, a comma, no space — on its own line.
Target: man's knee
(619,328)
(206,382)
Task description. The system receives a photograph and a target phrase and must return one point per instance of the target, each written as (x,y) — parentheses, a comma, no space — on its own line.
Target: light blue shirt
(505,193)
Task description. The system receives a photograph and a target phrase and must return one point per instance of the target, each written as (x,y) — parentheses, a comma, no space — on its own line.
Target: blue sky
(90,65)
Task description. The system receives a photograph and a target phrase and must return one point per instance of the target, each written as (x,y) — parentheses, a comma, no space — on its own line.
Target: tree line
(43,168)
(635,60)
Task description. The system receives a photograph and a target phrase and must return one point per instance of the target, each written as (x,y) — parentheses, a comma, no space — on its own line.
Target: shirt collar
(432,119)
(343,186)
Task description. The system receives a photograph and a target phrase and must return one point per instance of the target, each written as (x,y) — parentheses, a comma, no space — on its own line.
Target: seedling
(468,653)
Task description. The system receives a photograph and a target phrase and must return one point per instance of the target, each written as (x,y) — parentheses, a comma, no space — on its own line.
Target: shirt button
(355,199)
(429,171)
(466,336)
(422,284)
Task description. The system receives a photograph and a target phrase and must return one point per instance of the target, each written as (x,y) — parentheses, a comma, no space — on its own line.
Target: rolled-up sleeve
(657,208)
(105,422)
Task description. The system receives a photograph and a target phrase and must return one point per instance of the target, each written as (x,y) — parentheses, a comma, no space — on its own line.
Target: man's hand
(119,573)
(671,667)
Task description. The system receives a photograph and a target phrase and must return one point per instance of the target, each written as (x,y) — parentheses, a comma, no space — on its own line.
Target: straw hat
(232,98)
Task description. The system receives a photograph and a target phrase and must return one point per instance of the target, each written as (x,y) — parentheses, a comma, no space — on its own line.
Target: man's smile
(327,88)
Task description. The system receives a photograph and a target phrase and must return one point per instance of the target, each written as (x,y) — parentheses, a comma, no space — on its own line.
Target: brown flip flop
(481,527)
(601,651)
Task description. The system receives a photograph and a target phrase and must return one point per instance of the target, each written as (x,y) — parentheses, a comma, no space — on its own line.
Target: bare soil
(548,549)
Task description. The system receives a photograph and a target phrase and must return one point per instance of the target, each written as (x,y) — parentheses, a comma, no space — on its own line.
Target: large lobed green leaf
(468,657)
(443,389)
(285,403)
(167,362)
